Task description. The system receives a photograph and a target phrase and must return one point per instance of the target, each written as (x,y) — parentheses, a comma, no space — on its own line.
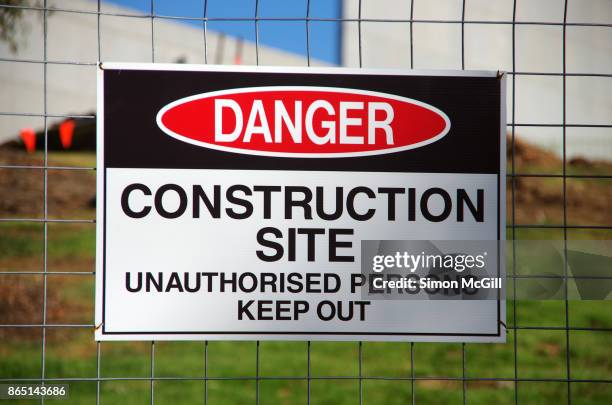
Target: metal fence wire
(361,383)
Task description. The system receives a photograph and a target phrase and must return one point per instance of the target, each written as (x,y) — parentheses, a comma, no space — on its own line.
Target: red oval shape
(301,121)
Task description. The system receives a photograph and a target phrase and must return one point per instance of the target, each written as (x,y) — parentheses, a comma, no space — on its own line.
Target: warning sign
(262,203)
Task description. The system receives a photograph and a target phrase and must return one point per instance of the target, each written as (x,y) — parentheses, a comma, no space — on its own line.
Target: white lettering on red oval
(303,121)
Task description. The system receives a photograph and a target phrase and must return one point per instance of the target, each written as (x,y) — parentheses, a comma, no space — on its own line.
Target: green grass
(541,355)
(71,353)
(64,240)
(79,159)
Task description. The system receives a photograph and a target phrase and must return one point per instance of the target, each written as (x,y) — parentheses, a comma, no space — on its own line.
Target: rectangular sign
(237,202)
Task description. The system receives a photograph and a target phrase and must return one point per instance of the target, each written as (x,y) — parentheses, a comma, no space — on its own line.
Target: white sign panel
(234,202)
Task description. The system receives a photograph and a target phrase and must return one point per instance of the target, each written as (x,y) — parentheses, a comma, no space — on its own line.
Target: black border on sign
(100,136)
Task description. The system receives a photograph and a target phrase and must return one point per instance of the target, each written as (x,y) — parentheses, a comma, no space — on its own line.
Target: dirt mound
(526,155)
(68,191)
(21,303)
(540,199)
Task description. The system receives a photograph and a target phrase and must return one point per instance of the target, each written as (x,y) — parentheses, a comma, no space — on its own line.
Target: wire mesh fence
(558,368)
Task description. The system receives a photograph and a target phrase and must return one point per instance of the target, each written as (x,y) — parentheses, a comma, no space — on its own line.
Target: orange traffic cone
(28,136)
(66,130)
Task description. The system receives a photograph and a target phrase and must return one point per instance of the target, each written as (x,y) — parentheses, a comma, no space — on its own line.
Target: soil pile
(22,190)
